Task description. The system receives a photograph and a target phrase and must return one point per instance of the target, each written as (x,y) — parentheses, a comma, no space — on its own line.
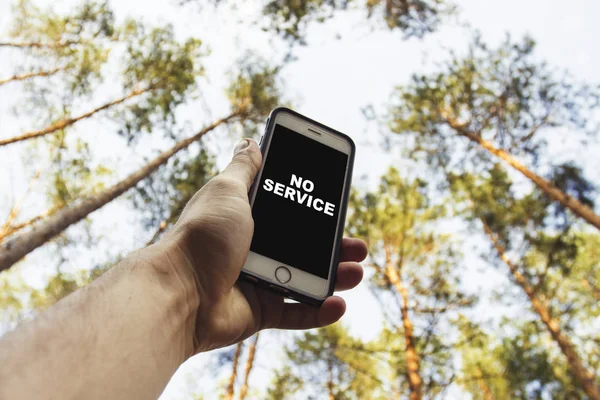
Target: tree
(162,196)
(415,265)
(285,384)
(329,360)
(499,100)
(244,90)
(74,44)
(14,250)
(291,18)
(230,391)
(511,223)
(249,365)
(159,72)
(517,366)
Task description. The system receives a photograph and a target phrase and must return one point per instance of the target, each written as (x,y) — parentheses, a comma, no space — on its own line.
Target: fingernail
(242,144)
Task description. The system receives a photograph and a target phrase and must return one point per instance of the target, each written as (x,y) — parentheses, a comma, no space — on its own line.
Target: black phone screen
(298,200)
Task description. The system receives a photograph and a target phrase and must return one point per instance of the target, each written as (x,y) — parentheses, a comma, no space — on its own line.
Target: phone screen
(298,200)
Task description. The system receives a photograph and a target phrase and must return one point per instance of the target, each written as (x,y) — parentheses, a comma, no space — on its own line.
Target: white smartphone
(299,200)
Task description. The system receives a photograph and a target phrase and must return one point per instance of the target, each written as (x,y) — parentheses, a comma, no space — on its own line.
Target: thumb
(245,164)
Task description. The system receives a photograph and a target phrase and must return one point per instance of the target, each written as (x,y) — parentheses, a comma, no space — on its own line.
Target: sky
(331,81)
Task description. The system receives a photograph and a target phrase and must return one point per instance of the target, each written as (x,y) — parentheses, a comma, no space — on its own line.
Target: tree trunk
(585,377)
(30,75)
(70,121)
(24,244)
(249,365)
(236,359)
(487,393)
(11,229)
(38,45)
(547,187)
(415,382)
(330,379)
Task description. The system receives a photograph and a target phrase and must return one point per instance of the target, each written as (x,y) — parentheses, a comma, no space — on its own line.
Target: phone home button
(283,275)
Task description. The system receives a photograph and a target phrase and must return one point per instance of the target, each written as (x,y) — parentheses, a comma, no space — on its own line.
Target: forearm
(123,336)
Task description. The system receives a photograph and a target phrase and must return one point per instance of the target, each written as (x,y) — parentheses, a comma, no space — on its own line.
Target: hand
(213,238)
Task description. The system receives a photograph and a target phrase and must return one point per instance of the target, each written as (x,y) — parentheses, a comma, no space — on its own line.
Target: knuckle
(222,185)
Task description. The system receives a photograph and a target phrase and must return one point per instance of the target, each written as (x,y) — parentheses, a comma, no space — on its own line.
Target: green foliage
(162,197)
(157,63)
(503,95)
(75,43)
(284,385)
(517,366)
(254,90)
(71,174)
(329,360)
(399,224)
(556,260)
(291,18)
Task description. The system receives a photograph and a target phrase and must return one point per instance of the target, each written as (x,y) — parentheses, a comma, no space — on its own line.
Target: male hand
(212,239)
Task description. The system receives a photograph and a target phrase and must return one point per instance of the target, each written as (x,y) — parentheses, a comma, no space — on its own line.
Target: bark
(487,393)
(24,244)
(64,123)
(30,75)
(249,365)
(236,359)
(415,383)
(38,45)
(578,208)
(12,229)
(583,376)
(330,379)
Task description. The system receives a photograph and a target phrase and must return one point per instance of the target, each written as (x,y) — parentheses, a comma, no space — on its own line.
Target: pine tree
(331,361)
(74,46)
(159,74)
(251,94)
(530,223)
(518,366)
(249,366)
(230,390)
(415,267)
(496,100)
(291,18)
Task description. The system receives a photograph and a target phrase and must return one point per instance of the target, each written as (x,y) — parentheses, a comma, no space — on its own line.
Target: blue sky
(331,81)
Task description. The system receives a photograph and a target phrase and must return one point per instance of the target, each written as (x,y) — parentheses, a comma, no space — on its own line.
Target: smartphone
(299,200)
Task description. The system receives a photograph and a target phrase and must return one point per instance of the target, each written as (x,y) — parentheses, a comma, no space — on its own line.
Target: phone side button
(279,288)
(260,140)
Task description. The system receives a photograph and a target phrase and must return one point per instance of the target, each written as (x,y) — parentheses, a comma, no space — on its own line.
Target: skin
(124,335)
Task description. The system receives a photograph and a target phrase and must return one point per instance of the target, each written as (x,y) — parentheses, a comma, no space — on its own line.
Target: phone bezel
(303,286)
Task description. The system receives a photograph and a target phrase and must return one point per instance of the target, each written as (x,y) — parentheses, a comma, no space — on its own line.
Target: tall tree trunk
(70,121)
(585,377)
(415,383)
(331,395)
(487,393)
(30,75)
(547,187)
(24,244)
(236,359)
(6,231)
(249,365)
